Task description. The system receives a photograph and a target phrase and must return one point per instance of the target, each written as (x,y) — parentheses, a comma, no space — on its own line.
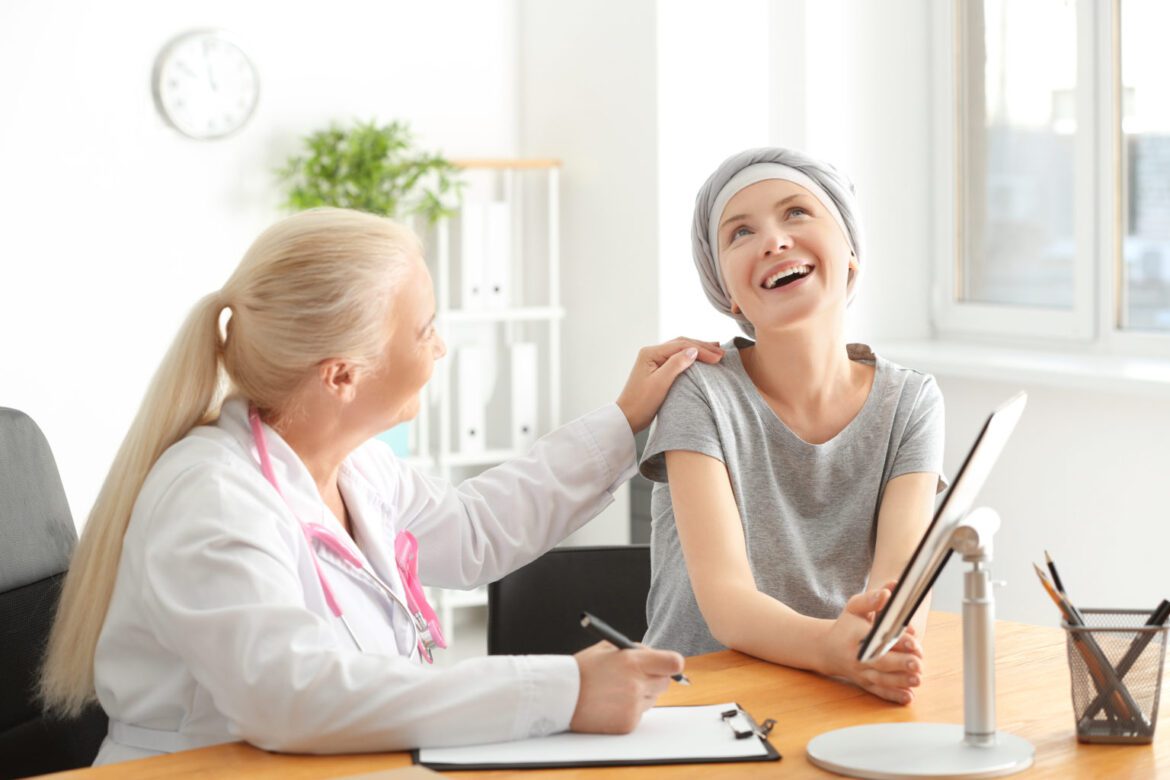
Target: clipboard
(696,734)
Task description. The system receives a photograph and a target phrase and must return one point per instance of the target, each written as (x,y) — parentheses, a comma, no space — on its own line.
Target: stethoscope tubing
(424,641)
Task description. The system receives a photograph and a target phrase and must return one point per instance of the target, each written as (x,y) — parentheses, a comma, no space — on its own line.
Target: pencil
(1117,699)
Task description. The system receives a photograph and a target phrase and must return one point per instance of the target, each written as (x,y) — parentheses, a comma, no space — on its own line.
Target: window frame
(1094,323)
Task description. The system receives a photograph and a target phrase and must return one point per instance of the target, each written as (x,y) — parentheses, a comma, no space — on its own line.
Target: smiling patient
(800,470)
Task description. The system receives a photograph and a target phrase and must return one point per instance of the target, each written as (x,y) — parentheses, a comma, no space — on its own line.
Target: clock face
(204,85)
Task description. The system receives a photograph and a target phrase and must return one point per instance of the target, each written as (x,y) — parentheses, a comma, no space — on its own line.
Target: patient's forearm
(759,625)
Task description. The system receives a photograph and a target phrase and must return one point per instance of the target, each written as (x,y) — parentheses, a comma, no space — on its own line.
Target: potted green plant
(371,167)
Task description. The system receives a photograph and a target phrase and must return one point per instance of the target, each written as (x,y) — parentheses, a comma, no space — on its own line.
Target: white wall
(113,224)
(587,97)
(587,94)
(1085,476)
(705,113)
(886,50)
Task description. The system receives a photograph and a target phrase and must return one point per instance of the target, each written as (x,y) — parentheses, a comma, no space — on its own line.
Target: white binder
(472,399)
(473,249)
(524,397)
(497,255)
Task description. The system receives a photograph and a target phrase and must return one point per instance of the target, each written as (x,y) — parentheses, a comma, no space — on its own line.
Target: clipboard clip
(753,730)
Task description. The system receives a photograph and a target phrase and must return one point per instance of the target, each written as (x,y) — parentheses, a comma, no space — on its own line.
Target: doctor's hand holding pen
(617,686)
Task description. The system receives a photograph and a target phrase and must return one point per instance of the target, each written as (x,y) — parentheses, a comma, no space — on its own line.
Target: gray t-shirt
(809,511)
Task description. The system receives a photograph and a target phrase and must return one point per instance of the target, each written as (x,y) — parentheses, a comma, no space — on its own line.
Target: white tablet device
(935,548)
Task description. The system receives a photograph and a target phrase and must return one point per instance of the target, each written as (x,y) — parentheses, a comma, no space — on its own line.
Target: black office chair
(536,609)
(36,540)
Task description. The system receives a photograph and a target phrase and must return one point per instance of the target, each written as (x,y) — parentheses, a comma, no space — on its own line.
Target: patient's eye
(739,232)
(797,211)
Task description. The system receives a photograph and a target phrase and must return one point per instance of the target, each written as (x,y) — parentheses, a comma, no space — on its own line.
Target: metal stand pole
(921,750)
(972,540)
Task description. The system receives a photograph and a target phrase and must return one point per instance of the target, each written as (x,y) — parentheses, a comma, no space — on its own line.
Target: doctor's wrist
(631,416)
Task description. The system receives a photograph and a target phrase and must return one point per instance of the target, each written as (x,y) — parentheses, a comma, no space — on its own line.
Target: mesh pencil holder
(1115,665)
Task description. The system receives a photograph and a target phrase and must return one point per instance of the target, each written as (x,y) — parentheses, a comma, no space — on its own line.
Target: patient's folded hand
(896,674)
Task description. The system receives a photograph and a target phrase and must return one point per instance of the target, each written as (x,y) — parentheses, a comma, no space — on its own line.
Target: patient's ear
(735,308)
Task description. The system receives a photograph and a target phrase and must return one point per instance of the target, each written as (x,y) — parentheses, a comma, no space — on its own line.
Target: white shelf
(519,184)
(503,315)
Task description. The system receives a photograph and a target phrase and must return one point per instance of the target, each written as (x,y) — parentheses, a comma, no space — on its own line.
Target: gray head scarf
(711,196)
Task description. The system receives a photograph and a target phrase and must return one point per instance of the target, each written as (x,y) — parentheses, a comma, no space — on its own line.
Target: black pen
(617,639)
(1060,588)
(1055,577)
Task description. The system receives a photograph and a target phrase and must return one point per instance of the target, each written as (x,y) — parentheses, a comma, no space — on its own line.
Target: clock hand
(207,62)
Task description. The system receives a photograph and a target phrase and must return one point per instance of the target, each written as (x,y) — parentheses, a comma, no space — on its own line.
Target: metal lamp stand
(922,750)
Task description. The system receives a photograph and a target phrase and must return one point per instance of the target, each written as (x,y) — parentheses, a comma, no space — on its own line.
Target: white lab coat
(218,628)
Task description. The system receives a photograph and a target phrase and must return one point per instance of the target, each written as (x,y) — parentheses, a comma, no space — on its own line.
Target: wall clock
(204,85)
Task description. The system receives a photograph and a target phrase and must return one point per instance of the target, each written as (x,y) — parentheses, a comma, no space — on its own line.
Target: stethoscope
(426,623)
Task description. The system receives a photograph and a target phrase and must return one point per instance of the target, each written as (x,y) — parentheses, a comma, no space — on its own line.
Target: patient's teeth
(802,270)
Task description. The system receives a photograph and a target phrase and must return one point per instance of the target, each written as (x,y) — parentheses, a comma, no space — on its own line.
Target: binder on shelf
(497,255)
(524,395)
(472,399)
(472,249)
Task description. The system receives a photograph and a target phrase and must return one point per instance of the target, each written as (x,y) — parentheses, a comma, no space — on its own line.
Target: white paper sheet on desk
(664,733)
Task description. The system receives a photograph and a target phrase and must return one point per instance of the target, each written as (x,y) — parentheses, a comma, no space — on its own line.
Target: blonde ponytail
(182,394)
(316,285)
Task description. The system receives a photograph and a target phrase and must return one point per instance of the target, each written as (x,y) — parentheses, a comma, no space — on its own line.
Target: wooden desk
(1032,701)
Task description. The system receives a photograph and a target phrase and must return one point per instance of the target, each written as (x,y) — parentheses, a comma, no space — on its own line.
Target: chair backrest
(36,541)
(536,609)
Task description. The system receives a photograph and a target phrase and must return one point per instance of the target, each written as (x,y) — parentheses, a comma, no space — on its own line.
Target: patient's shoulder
(705,386)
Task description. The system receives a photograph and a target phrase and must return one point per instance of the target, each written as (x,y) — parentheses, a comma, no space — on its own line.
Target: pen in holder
(1115,666)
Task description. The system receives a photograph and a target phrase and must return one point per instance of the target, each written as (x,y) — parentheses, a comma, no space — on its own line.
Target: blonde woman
(798,474)
(251,568)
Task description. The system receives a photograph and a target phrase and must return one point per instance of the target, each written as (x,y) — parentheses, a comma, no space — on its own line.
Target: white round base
(917,750)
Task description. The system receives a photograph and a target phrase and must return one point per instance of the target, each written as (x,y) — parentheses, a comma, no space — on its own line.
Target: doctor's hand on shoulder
(617,686)
(655,371)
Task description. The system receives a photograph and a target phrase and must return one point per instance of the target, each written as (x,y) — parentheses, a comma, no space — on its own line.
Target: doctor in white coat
(252,566)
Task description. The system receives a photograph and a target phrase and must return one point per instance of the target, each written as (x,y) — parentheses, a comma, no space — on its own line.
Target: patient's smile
(786,276)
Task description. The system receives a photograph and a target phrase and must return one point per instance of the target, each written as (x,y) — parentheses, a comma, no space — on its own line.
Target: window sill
(1099,373)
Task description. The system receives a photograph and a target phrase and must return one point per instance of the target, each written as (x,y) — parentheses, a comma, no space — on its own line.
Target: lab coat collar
(370,510)
(296,483)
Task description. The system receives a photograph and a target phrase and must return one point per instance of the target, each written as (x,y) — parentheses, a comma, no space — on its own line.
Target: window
(1053,153)
(1019,139)
(1145,165)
